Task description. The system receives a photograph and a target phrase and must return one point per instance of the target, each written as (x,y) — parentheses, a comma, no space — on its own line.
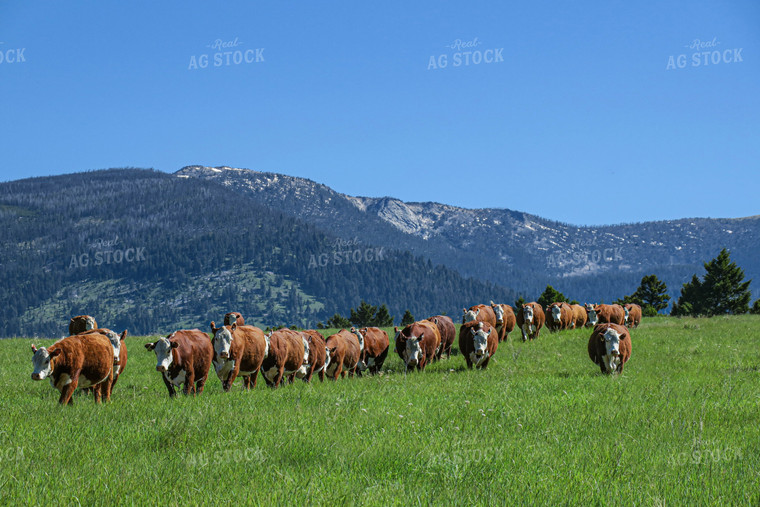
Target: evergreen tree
(721,291)
(408,318)
(382,318)
(519,302)
(651,296)
(364,315)
(336,321)
(549,296)
(755,307)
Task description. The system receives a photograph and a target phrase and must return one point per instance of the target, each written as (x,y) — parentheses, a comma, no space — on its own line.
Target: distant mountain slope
(507,247)
(153,252)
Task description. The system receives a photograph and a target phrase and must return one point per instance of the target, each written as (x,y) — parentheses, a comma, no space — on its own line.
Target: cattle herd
(93,358)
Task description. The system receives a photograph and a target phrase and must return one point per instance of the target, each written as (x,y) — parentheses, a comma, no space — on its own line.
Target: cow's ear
(464,310)
(175,345)
(34,349)
(55,353)
(123,335)
(395,329)
(480,325)
(492,303)
(353,329)
(150,346)
(213,327)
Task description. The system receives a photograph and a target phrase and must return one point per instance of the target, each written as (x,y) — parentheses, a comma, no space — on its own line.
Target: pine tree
(549,296)
(364,315)
(755,307)
(721,291)
(337,321)
(652,296)
(408,318)
(382,318)
(519,302)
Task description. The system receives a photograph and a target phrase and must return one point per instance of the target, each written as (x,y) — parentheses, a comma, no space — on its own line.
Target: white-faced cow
(316,362)
(238,350)
(477,343)
(119,352)
(183,357)
(448,333)
(287,352)
(505,320)
(609,347)
(344,351)
(559,316)
(233,317)
(375,349)
(530,320)
(591,318)
(417,344)
(614,314)
(479,313)
(81,323)
(632,315)
(76,361)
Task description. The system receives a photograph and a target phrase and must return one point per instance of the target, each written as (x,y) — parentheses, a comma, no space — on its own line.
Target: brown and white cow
(591,318)
(448,333)
(559,316)
(316,361)
(287,352)
(505,320)
(610,313)
(238,350)
(530,319)
(480,313)
(375,350)
(579,316)
(632,315)
(183,357)
(417,344)
(76,361)
(610,347)
(119,352)
(235,317)
(81,323)
(344,350)
(477,343)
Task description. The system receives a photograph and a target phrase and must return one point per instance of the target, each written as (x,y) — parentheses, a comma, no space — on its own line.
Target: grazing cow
(448,333)
(632,315)
(579,316)
(287,352)
(477,343)
(119,352)
(235,317)
(376,345)
(610,313)
(76,361)
(344,350)
(316,362)
(610,347)
(417,344)
(530,318)
(238,350)
(81,323)
(559,316)
(183,357)
(591,318)
(480,313)
(505,320)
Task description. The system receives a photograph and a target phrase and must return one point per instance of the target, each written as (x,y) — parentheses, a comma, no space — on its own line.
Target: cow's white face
(305,350)
(89,323)
(413,351)
(612,347)
(115,344)
(470,315)
(528,314)
(499,311)
(626,313)
(360,337)
(592,318)
(480,346)
(556,313)
(327,358)
(41,364)
(163,349)
(223,342)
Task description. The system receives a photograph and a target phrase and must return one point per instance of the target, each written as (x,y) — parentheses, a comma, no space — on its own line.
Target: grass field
(680,426)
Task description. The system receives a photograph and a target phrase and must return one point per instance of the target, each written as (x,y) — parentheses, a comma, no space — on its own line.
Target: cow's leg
(322,375)
(189,383)
(105,390)
(278,378)
(200,384)
(170,388)
(246,382)
(68,389)
(254,376)
(310,373)
(484,364)
(97,392)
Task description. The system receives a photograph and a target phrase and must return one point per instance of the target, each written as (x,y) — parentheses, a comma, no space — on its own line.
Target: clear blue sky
(581,121)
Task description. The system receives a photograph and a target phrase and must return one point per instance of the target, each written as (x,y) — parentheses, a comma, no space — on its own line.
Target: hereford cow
(591,318)
(530,319)
(119,352)
(579,316)
(376,345)
(344,350)
(480,313)
(610,313)
(287,352)
(477,343)
(505,320)
(235,317)
(448,333)
(610,347)
(559,316)
(632,315)
(316,362)
(183,357)
(81,323)
(238,350)
(417,344)
(76,361)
